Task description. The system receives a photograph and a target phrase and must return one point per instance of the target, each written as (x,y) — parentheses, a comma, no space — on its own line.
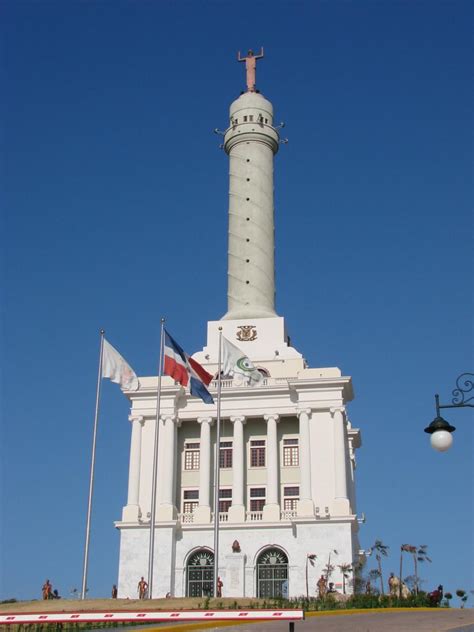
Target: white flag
(237,365)
(117,369)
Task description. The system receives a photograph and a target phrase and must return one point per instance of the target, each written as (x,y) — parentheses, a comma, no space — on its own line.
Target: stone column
(237,509)
(202,513)
(131,511)
(271,509)
(341,501)
(167,509)
(305,505)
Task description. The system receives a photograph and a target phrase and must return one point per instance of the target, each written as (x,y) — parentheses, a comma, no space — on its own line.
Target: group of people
(143,589)
(48,592)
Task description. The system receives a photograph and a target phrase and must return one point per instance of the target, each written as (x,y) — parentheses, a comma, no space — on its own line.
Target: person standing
(114,592)
(322,584)
(142,588)
(220,584)
(47,590)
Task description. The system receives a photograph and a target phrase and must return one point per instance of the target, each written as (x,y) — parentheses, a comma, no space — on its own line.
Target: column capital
(271,416)
(138,418)
(240,418)
(205,420)
(306,411)
(173,418)
(337,409)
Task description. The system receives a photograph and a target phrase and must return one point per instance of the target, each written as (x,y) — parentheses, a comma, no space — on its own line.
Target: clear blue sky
(115,214)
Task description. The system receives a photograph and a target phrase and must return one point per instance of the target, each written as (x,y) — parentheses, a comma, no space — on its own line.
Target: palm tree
(329,568)
(374,574)
(419,555)
(408,548)
(345,570)
(310,557)
(328,571)
(381,549)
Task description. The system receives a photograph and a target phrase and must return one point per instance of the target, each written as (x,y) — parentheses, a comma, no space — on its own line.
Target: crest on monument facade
(246,333)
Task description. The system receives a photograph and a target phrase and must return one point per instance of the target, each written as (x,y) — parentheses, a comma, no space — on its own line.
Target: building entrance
(272,574)
(200,574)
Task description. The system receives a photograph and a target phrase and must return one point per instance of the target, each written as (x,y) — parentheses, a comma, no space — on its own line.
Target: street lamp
(439,429)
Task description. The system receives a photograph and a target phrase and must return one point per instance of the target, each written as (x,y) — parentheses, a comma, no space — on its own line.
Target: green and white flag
(237,365)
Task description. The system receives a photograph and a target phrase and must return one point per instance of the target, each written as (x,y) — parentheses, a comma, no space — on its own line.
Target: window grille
(190,500)
(225,500)
(225,454)
(257,453)
(257,498)
(191,456)
(290,452)
(291,495)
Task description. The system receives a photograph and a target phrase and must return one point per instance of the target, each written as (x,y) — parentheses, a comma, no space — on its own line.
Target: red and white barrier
(157,615)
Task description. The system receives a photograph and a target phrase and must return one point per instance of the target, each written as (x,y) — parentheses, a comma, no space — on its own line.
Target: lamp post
(440,430)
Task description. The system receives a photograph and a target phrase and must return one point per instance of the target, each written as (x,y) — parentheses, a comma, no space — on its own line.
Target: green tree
(381,550)
(310,558)
(345,569)
(329,568)
(462,596)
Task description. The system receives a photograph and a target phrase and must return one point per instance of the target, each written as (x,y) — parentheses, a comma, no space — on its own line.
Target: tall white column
(131,511)
(202,513)
(341,501)
(305,505)
(271,510)
(237,509)
(167,508)
(251,142)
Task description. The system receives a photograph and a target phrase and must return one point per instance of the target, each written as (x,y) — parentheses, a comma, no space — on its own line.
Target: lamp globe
(441,440)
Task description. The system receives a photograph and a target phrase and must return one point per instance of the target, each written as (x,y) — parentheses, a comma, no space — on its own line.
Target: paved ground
(411,621)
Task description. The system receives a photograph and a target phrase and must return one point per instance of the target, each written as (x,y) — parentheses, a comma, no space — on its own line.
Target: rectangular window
(191,456)
(291,495)
(225,454)
(290,452)
(190,500)
(257,498)
(225,500)
(251,117)
(257,453)
(245,119)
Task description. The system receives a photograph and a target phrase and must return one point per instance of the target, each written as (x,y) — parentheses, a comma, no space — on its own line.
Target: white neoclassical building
(287,448)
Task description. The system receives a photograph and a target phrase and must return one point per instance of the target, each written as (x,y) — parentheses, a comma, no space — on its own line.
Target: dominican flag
(183,369)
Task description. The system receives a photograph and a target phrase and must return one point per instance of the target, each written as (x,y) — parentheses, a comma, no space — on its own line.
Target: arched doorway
(200,574)
(272,574)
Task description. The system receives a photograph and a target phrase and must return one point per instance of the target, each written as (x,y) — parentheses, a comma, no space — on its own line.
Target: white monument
(287,449)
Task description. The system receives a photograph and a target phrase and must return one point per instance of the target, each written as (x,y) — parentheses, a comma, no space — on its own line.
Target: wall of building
(173,547)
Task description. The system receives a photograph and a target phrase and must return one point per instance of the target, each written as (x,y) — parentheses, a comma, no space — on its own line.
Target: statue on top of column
(251,67)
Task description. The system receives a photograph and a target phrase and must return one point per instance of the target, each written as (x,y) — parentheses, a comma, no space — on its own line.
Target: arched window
(200,574)
(272,574)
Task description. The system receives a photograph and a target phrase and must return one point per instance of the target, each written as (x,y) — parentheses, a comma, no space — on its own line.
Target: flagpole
(151,548)
(91,477)
(217,467)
